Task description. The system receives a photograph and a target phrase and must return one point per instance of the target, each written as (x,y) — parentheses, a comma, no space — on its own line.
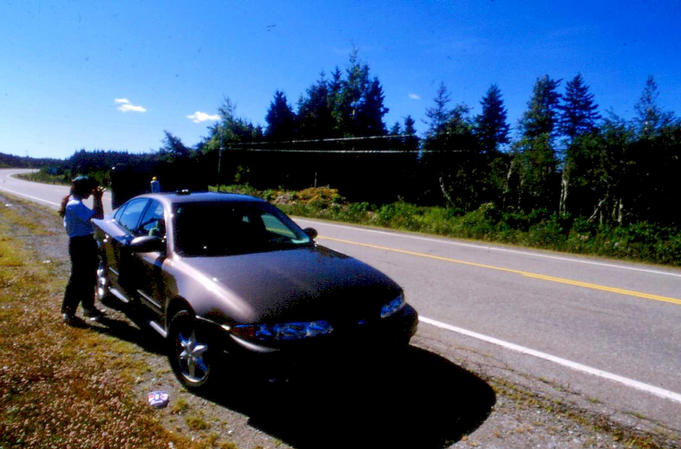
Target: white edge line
(34,198)
(657,391)
(493,248)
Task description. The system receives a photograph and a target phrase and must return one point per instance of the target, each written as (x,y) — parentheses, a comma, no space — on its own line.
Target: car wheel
(102,290)
(190,352)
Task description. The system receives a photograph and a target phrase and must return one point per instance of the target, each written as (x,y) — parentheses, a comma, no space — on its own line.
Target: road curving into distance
(607,330)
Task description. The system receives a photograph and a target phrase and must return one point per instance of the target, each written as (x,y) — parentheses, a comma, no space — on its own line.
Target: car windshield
(227,228)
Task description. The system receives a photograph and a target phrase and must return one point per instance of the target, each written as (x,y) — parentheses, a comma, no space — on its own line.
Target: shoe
(93,314)
(71,320)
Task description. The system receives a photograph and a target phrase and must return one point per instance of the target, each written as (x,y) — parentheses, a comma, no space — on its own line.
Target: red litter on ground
(158,399)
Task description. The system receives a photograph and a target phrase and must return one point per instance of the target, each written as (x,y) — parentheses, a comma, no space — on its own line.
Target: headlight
(393,306)
(283,331)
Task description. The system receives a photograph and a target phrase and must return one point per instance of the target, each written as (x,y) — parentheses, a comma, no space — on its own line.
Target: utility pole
(219,165)
(220,136)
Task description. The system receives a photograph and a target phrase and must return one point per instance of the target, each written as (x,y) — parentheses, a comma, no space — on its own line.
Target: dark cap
(83,183)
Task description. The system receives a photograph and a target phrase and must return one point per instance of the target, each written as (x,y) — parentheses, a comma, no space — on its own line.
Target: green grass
(42,176)
(62,386)
(641,242)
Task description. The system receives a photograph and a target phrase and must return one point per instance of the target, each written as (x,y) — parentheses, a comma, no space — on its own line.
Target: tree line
(565,158)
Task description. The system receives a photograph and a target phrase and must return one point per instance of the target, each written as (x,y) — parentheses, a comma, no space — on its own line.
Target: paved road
(610,331)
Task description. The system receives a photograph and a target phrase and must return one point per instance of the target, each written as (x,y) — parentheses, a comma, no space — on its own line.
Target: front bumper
(350,341)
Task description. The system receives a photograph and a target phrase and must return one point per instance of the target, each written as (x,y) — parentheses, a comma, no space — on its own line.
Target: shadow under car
(415,400)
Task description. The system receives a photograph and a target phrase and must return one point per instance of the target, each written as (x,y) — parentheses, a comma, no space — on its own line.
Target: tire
(191,353)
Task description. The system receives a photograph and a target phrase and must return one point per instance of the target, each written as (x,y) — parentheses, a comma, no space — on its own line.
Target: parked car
(231,281)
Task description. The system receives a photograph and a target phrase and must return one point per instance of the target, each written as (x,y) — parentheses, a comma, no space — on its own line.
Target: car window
(153,222)
(274,225)
(119,213)
(130,216)
(223,228)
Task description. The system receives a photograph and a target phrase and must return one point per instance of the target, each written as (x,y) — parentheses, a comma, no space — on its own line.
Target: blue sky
(115,74)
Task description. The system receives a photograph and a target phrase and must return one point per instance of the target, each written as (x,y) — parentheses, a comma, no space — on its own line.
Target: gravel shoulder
(435,396)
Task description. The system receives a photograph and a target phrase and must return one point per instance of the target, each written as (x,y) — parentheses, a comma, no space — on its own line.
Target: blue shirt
(77,218)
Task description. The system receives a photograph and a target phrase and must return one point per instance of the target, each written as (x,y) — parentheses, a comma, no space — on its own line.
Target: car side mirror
(311,232)
(147,244)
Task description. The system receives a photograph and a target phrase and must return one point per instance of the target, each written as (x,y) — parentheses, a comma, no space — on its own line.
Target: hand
(98,191)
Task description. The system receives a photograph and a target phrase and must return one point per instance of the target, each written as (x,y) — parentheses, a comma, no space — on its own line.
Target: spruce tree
(369,121)
(438,115)
(409,129)
(534,162)
(578,119)
(280,118)
(542,114)
(491,126)
(650,117)
(315,111)
(578,111)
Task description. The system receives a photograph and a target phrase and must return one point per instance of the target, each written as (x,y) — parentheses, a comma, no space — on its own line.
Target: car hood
(298,284)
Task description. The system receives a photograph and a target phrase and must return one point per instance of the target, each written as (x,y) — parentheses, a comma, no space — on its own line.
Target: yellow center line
(528,274)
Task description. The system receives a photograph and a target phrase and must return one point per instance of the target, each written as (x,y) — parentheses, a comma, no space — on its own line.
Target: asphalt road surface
(608,330)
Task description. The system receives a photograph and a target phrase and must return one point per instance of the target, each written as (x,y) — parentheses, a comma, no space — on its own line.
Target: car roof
(201,197)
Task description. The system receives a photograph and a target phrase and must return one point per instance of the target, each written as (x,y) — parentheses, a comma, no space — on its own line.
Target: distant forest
(565,158)
(9,160)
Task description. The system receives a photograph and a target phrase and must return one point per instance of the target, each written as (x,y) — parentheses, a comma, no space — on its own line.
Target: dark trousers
(81,286)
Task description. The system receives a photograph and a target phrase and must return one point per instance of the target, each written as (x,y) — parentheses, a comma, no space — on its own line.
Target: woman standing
(82,249)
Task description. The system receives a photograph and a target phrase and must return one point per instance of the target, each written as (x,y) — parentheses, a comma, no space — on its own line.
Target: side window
(130,215)
(119,212)
(153,222)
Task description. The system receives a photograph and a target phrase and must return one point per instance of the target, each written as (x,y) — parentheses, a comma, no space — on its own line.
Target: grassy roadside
(61,386)
(45,178)
(638,242)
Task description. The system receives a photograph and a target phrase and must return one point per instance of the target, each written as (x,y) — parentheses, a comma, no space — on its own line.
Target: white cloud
(126,106)
(199,117)
(414,96)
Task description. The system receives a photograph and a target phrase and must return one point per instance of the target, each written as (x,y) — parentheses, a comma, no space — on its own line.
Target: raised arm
(97,193)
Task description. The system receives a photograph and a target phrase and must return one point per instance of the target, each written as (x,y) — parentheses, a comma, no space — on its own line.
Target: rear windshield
(224,228)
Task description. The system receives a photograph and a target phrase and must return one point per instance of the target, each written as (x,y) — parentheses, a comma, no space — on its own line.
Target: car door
(119,259)
(148,266)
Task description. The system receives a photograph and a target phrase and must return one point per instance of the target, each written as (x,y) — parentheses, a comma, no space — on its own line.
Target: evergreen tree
(409,129)
(452,153)
(173,149)
(577,119)
(315,110)
(349,99)
(396,130)
(280,118)
(491,127)
(542,113)
(369,121)
(438,115)
(411,142)
(650,117)
(349,106)
(535,166)
(578,111)
(230,129)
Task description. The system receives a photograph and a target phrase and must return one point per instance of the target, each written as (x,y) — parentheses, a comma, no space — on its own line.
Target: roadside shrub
(399,215)
(479,223)
(550,233)
(539,228)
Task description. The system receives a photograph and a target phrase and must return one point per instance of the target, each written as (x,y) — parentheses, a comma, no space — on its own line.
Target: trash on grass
(158,399)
